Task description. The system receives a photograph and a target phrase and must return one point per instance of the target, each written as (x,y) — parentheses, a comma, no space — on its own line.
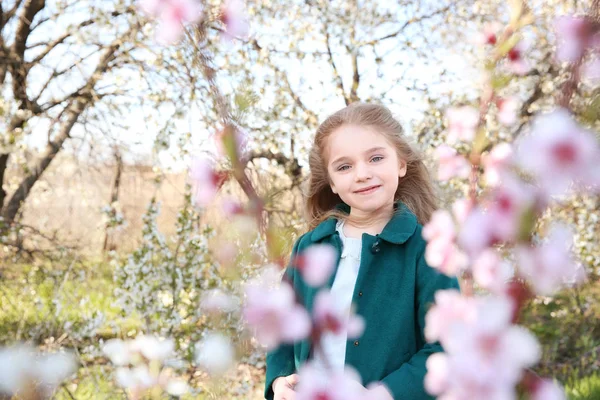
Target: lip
(368,189)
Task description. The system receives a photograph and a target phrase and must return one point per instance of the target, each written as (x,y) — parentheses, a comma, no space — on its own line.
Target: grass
(587,388)
(37,302)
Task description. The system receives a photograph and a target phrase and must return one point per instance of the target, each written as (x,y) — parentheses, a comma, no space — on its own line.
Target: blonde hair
(415,189)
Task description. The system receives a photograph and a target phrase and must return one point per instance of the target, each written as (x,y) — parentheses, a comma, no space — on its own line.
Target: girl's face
(363,168)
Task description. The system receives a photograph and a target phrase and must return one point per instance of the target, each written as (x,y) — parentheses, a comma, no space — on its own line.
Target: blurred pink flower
(477,232)
(462,122)
(446,257)
(205,181)
(550,265)
(172,16)
(234,19)
(461,209)
(437,379)
(491,272)
(313,384)
(330,317)
(574,35)
(451,164)
(450,308)
(152,7)
(496,162)
(441,251)
(507,110)
(231,207)
(509,203)
(275,316)
(316,263)
(546,389)
(559,152)
(485,354)
(489,34)
(501,221)
(516,63)
(440,226)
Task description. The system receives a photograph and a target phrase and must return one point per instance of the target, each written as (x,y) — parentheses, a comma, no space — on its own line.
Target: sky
(137,132)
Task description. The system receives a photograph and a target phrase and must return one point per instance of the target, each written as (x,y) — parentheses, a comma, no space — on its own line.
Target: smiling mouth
(368,190)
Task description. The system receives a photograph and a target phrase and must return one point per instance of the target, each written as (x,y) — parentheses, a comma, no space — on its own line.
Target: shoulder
(416,244)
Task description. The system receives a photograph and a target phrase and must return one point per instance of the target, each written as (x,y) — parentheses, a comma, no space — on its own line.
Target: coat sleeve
(406,382)
(280,361)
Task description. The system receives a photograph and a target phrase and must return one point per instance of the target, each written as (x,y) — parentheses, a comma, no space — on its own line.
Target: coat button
(375,248)
(360,294)
(356,342)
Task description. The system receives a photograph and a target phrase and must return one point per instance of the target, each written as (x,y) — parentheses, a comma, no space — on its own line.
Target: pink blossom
(516,61)
(441,251)
(507,110)
(446,257)
(231,207)
(477,232)
(461,209)
(559,152)
(574,34)
(438,373)
(510,203)
(503,218)
(548,390)
(496,162)
(462,123)
(485,354)
(234,19)
(172,16)
(152,7)
(491,272)
(316,263)
(489,35)
(451,164)
(550,265)
(205,181)
(450,308)
(440,226)
(329,317)
(313,384)
(275,315)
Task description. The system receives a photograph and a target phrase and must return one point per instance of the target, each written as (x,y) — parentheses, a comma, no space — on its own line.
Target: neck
(369,222)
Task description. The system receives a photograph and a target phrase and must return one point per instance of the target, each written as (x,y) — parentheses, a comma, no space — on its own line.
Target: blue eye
(343,168)
(378,157)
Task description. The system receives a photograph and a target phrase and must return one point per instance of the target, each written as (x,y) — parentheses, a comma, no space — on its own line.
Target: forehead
(353,141)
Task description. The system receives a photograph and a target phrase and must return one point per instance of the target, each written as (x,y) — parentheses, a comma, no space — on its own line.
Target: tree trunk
(114,195)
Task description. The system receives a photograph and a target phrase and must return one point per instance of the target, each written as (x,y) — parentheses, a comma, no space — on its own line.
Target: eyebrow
(372,150)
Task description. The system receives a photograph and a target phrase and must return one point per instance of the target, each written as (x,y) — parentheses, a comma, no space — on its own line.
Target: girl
(369,194)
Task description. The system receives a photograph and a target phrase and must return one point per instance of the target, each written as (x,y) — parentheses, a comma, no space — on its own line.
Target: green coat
(393,291)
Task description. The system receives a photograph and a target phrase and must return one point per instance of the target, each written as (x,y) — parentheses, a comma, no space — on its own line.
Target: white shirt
(334,345)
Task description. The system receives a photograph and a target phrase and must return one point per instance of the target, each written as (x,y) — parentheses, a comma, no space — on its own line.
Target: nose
(362,172)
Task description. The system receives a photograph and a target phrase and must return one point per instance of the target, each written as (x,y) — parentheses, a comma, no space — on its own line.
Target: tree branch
(404,26)
(336,74)
(56,42)
(17,68)
(72,112)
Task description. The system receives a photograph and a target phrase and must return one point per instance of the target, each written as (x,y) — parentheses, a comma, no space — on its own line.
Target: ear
(333,188)
(401,168)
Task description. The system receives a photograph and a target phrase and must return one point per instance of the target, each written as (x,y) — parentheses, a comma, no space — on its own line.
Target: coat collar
(398,230)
